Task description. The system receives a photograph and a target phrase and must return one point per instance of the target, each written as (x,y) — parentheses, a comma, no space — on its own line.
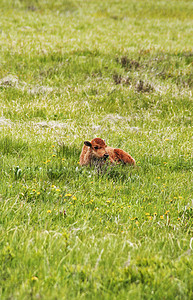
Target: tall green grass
(71,71)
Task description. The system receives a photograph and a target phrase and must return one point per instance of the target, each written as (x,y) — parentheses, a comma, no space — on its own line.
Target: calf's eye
(96,147)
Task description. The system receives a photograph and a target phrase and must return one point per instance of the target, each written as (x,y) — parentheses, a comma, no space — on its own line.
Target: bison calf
(97,152)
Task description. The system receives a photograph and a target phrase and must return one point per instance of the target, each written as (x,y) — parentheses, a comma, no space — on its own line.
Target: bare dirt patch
(143,87)
(128,63)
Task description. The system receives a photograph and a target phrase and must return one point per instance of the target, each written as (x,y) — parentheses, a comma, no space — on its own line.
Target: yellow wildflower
(49,211)
(34,278)
(68,195)
(74,198)
(161,217)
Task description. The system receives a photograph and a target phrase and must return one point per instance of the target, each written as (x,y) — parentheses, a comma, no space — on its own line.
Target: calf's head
(97,148)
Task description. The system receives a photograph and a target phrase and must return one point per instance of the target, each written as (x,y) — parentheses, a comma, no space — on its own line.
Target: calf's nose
(106,155)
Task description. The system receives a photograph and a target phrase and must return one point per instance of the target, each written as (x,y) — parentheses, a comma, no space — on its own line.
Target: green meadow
(71,71)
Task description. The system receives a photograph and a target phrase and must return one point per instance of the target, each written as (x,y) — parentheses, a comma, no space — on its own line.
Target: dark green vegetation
(75,70)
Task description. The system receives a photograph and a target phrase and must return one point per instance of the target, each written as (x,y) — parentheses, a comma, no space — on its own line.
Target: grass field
(70,71)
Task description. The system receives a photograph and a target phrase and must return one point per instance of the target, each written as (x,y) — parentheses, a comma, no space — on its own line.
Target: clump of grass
(11,146)
(67,75)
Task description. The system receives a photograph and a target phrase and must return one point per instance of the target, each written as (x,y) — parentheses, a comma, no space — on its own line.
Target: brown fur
(97,152)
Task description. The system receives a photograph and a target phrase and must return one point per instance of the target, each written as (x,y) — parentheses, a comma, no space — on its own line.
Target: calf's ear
(88,144)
